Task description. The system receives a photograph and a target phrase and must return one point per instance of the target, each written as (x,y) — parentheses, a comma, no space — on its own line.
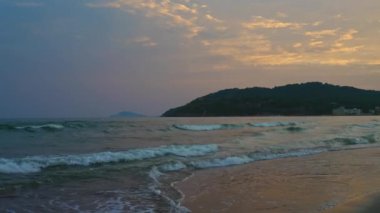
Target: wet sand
(341,181)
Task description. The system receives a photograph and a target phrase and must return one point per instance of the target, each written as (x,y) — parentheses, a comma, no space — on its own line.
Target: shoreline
(333,181)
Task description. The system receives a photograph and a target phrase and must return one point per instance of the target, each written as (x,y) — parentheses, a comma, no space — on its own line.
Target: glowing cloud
(176,14)
(321,33)
(258,41)
(261,22)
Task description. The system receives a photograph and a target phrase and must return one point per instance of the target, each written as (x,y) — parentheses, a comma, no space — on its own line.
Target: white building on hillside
(344,111)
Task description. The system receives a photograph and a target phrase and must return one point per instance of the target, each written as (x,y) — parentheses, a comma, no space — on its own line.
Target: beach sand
(341,181)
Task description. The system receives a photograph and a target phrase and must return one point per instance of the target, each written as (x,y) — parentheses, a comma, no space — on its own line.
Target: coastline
(339,181)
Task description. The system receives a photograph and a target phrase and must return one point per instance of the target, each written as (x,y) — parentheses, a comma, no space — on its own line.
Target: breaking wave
(252,157)
(274,124)
(212,127)
(174,166)
(342,141)
(37,163)
(207,127)
(370,125)
(46,127)
(335,144)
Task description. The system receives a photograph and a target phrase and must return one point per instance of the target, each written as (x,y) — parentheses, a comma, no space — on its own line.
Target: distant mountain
(126,114)
(312,98)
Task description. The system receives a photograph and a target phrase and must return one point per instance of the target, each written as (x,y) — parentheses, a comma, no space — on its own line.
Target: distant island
(313,98)
(127,114)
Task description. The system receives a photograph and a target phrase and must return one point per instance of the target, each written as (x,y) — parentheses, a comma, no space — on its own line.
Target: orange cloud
(321,33)
(261,22)
(243,42)
(176,14)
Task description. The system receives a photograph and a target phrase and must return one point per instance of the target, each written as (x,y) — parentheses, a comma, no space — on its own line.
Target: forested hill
(296,99)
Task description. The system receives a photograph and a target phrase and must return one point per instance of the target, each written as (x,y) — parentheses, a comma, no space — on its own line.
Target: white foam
(170,167)
(45,126)
(222,162)
(205,127)
(368,125)
(36,163)
(244,159)
(274,124)
(291,153)
(339,141)
(112,205)
(155,174)
(14,166)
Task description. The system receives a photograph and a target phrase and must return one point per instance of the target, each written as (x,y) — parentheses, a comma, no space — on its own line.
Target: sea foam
(206,127)
(252,157)
(44,126)
(212,127)
(174,166)
(36,163)
(274,124)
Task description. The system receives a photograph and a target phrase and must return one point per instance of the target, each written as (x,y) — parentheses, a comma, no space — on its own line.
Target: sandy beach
(340,181)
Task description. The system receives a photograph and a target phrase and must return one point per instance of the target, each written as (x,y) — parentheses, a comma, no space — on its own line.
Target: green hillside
(312,98)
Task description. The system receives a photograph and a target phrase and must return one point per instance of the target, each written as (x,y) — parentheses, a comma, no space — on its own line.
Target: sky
(82,58)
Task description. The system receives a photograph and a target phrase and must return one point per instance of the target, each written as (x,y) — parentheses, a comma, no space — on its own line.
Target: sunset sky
(80,58)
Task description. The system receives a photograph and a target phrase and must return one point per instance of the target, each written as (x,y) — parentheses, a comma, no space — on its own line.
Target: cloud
(297,45)
(257,41)
(251,49)
(349,35)
(346,49)
(144,41)
(212,18)
(316,44)
(258,22)
(176,14)
(322,46)
(340,43)
(321,33)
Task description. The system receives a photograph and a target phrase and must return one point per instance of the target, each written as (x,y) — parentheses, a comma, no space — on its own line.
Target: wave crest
(32,128)
(257,156)
(206,127)
(274,124)
(37,163)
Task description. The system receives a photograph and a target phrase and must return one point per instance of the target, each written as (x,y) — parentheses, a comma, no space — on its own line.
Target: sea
(132,165)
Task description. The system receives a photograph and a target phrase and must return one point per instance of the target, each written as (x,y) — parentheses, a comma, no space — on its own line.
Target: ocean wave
(348,141)
(222,162)
(37,163)
(206,127)
(367,125)
(252,157)
(274,124)
(48,127)
(32,128)
(155,175)
(173,166)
